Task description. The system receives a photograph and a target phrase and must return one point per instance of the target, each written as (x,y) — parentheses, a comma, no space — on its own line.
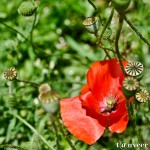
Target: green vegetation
(52,46)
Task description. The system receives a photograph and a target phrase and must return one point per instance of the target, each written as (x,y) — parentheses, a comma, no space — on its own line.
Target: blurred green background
(60,54)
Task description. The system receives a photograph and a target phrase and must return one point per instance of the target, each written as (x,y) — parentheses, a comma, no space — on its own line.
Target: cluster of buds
(131,83)
(48,98)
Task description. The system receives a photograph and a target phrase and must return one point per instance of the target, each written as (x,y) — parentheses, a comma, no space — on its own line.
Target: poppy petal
(119,126)
(77,121)
(104,76)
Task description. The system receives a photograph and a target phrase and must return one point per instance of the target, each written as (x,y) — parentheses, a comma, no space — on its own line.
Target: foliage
(52,46)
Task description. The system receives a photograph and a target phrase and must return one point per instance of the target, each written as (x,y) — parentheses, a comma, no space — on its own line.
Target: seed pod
(49,101)
(43,88)
(10,74)
(129,86)
(27,8)
(142,95)
(135,69)
(121,5)
(91,24)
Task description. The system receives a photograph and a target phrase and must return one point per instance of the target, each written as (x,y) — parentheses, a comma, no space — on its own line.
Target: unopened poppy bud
(10,74)
(135,69)
(129,86)
(91,24)
(107,34)
(27,8)
(49,100)
(121,5)
(142,95)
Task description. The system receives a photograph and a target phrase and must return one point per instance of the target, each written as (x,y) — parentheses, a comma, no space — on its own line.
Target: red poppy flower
(101,103)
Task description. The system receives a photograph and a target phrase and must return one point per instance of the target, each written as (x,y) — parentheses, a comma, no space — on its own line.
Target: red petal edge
(119,126)
(74,117)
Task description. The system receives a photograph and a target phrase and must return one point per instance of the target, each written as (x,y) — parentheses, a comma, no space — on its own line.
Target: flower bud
(135,69)
(27,8)
(121,5)
(91,24)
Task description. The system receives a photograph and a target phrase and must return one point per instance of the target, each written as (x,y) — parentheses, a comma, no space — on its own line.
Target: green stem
(135,30)
(105,49)
(28,82)
(31,32)
(96,10)
(32,128)
(56,132)
(16,31)
(12,146)
(64,134)
(107,24)
(116,43)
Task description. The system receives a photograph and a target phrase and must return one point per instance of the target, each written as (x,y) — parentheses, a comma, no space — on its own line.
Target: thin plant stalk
(64,134)
(96,10)
(16,31)
(107,24)
(117,41)
(32,128)
(136,30)
(12,146)
(28,82)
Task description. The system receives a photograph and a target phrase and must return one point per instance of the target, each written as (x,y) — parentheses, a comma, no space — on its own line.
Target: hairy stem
(31,32)
(107,24)
(135,30)
(16,31)
(96,10)
(28,82)
(117,41)
(64,134)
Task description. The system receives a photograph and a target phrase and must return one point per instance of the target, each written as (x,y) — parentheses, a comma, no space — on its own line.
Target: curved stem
(57,136)
(16,31)
(64,134)
(28,82)
(105,49)
(116,43)
(31,32)
(135,30)
(32,128)
(107,23)
(96,11)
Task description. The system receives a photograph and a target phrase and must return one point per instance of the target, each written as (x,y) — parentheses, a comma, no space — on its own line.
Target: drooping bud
(27,8)
(10,74)
(91,24)
(142,95)
(135,69)
(129,86)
